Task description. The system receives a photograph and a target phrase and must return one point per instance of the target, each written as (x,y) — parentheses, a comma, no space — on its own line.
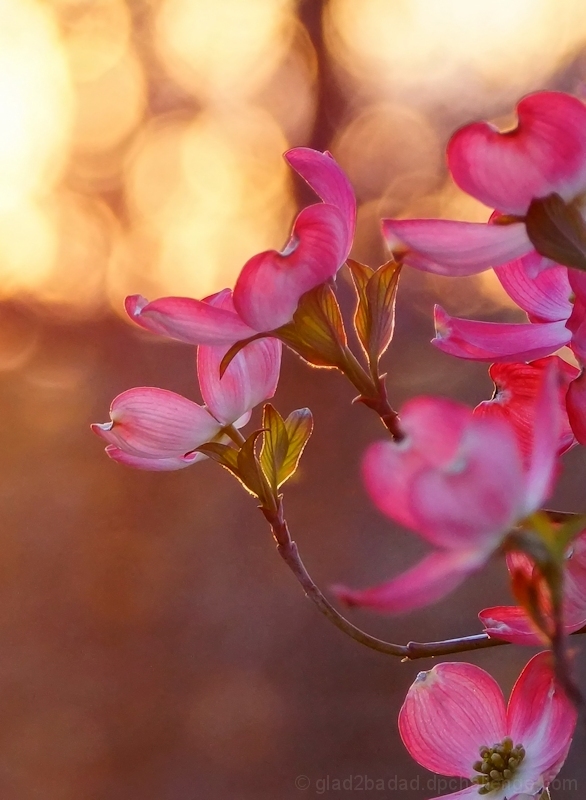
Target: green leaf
(283,443)
(249,470)
(317,331)
(557,231)
(374,318)
(221,453)
(381,292)
(299,425)
(274,446)
(361,275)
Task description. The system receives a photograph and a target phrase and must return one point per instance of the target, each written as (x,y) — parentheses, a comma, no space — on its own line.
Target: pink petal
(191,321)
(153,464)
(474,500)
(575,584)
(150,422)
(545,296)
(497,341)
(445,247)
(433,429)
(545,153)
(251,378)
(541,718)
(270,284)
(432,578)
(448,714)
(516,389)
(511,624)
(577,319)
(329,182)
(576,406)
(546,435)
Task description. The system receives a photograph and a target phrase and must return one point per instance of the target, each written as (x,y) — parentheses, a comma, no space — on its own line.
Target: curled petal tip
(134,305)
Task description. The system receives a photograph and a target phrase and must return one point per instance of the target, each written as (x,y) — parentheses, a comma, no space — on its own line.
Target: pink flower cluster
(156,429)
(460,478)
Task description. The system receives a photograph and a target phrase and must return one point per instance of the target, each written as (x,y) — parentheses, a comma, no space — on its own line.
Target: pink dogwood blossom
(506,170)
(270,284)
(454,722)
(159,430)
(513,624)
(459,480)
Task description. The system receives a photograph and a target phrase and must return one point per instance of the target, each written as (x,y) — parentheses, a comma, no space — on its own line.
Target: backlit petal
(329,182)
(445,247)
(545,296)
(541,718)
(545,153)
(448,714)
(156,423)
(153,464)
(497,341)
(432,578)
(189,320)
(269,287)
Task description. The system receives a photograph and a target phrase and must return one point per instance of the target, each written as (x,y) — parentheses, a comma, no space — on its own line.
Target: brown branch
(412,651)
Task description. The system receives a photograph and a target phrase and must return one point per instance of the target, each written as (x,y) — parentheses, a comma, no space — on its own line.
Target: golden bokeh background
(152,646)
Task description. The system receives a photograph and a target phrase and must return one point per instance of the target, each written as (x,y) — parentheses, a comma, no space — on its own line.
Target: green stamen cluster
(497,765)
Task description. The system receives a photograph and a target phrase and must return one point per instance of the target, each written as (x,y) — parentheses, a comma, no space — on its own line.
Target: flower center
(497,765)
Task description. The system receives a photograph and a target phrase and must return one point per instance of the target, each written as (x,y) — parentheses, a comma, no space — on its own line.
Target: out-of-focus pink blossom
(270,284)
(159,430)
(460,481)
(516,387)
(506,170)
(454,722)
(513,624)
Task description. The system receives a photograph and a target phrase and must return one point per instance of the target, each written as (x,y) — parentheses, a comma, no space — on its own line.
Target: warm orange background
(152,645)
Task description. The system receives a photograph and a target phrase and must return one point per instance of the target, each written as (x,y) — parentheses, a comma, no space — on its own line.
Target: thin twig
(412,651)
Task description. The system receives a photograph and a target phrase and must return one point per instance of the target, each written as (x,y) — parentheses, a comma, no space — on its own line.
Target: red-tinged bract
(459,481)
(516,388)
(454,722)
(513,624)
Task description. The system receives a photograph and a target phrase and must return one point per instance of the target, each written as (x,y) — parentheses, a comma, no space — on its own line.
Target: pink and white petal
(473,501)
(188,320)
(446,247)
(511,624)
(432,578)
(156,423)
(433,428)
(497,341)
(544,296)
(251,378)
(449,713)
(270,284)
(547,430)
(153,464)
(322,173)
(545,153)
(541,718)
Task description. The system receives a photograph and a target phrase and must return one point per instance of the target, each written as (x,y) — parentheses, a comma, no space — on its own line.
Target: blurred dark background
(152,644)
